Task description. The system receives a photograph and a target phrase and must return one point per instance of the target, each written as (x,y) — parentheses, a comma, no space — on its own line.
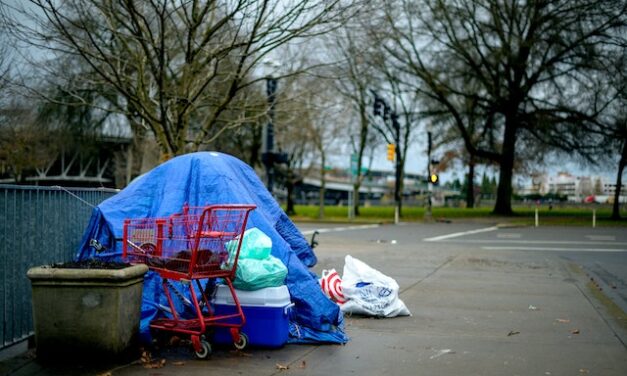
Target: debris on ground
(442,352)
(574,331)
(369,292)
(149,363)
(240,353)
(532,307)
(563,321)
(282,367)
(513,333)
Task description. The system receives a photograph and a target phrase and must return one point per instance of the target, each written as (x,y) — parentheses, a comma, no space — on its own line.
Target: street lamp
(267,156)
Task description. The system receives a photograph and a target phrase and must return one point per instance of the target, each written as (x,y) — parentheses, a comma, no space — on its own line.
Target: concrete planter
(81,313)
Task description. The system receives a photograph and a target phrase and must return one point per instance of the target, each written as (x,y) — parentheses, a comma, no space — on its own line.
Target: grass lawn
(523,215)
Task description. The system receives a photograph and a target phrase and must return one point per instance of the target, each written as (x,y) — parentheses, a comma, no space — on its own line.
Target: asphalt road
(601,252)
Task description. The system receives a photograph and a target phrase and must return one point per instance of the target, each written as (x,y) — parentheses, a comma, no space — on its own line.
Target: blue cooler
(266,311)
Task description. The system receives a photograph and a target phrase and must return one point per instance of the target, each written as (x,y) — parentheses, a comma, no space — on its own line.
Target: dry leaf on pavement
(282,367)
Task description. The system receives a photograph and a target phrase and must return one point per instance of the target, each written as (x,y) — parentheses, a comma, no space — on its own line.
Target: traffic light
(434,178)
(391,152)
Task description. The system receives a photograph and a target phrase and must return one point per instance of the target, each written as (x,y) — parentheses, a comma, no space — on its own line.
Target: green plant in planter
(87,309)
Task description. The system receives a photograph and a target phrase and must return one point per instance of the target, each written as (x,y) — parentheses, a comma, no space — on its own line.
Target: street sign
(354,164)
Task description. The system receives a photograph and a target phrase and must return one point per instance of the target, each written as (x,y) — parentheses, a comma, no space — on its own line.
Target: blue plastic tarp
(207,178)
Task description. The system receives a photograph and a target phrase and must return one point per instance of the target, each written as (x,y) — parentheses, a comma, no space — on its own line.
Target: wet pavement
(482,303)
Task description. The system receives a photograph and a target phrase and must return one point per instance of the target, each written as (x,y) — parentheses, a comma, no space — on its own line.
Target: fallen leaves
(240,353)
(149,363)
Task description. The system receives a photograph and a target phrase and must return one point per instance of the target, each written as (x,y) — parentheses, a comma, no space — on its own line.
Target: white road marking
(337,229)
(564,242)
(508,236)
(601,237)
(519,248)
(456,234)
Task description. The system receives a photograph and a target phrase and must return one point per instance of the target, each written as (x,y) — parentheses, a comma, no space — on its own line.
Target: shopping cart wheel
(205,350)
(242,342)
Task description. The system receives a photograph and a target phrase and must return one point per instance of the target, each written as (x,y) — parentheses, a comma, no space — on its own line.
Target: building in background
(574,188)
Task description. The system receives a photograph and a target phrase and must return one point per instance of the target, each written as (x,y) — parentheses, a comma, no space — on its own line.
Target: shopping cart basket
(197,244)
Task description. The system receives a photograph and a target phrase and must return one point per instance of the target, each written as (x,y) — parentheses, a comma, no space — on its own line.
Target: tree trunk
(289,185)
(398,183)
(503,204)
(363,136)
(470,191)
(322,188)
(356,196)
(619,180)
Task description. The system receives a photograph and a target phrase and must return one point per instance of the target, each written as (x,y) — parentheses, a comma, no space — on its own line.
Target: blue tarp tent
(207,178)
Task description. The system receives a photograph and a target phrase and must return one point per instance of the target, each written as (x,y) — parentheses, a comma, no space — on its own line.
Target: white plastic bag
(370,292)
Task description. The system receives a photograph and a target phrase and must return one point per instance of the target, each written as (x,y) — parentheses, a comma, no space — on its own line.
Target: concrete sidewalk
(474,313)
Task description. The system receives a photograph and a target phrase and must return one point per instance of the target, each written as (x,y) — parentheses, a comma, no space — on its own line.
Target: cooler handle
(287,307)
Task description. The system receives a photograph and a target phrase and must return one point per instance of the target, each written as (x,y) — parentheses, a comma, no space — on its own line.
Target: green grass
(523,215)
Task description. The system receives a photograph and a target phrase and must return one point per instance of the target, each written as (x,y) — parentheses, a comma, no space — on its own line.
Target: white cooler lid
(267,297)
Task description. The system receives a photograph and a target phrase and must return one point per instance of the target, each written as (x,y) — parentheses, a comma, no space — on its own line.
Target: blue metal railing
(38,226)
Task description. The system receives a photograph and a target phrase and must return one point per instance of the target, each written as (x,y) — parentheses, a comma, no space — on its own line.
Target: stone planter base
(86,313)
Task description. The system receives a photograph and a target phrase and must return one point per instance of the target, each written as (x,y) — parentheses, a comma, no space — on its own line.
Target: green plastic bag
(254,274)
(255,245)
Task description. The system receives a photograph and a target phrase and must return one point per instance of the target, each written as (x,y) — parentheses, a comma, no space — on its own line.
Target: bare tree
(399,119)
(177,67)
(25,143)
(613,125)
(353,78)
(530,61)
(329,119)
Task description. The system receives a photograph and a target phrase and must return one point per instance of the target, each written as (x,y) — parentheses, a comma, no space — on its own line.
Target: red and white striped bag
(331,285)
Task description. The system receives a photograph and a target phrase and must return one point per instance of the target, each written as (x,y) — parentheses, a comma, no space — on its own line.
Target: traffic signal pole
(381,109)
(397,179)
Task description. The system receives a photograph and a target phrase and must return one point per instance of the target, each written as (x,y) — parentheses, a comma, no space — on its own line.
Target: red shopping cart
(197,244)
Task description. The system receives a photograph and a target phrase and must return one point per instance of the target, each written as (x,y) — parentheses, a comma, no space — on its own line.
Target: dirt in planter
(91,264)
